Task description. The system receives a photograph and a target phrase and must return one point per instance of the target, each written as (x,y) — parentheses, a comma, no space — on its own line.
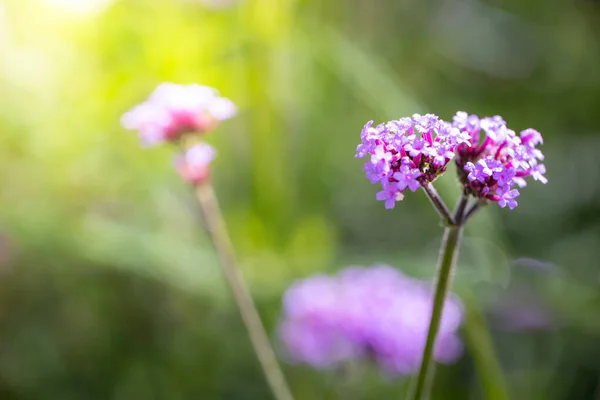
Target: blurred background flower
(172,110)
(366,314)
(111,289)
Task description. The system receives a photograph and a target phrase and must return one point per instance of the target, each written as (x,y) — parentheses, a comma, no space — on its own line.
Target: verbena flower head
(193,165)
(372,313)
(412,152)
(407,153)
(172,110)
(495,160)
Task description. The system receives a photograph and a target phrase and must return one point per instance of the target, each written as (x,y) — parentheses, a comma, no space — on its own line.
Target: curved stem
(459,213)
(439,204)
(240,293)
(474,209)
(448,255)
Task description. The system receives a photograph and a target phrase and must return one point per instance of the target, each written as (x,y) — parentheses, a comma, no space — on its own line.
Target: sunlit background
(109,288)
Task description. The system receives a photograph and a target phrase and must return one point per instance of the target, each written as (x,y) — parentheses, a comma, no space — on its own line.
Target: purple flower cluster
(495,159)
(407,153)
(412,152)
(172,111)
(372,313)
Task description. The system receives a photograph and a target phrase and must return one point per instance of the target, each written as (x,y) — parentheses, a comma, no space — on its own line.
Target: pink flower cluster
(495,159)
(407,153)
(172,111)
(372,313)
(413,152)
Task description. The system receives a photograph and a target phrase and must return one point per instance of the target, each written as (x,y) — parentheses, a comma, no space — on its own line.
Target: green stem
(474,209)
(438,204)
(240,293)
(447,259)
(481,347)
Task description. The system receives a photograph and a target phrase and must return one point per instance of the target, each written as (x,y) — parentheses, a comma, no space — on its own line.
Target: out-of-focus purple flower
(410,151)
(521,309)
(193,165)
(491,164)
(172,110)
(372,313)
(524,317)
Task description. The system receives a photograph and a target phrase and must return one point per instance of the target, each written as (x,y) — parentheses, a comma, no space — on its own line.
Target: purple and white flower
(172,110)
(408,153)
(493,164)
(413,152)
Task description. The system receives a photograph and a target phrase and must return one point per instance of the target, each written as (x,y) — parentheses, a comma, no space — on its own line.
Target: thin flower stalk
(439,204)
(258,336)
(180,114)
(446,262)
